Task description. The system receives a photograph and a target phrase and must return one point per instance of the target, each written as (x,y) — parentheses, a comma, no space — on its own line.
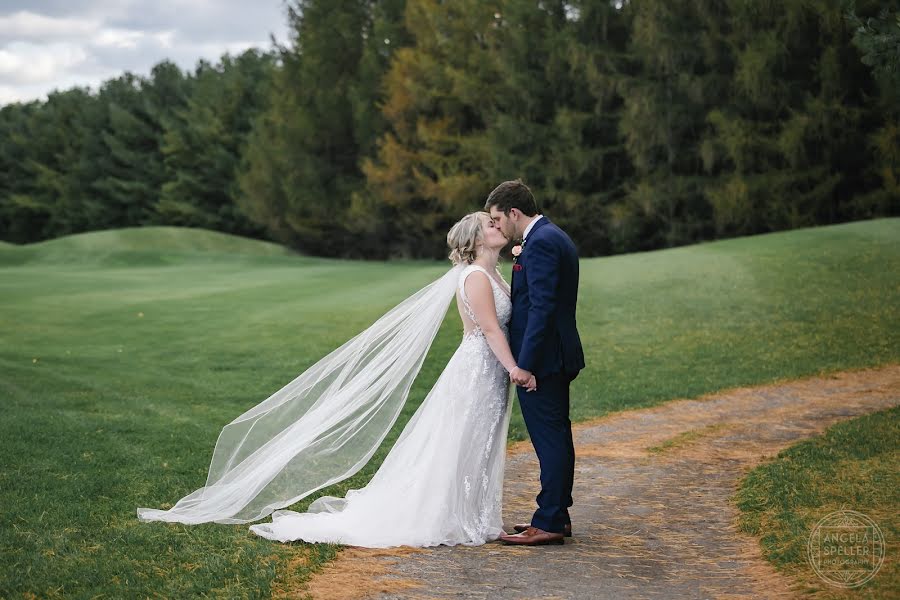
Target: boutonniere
(516,251)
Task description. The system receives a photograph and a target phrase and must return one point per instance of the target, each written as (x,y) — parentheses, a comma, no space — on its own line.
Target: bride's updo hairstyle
(465,236)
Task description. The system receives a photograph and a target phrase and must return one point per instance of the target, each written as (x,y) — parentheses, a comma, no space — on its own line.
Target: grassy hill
(138,246)
(123,353)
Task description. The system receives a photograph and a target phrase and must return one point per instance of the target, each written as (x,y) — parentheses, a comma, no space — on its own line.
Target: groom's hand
(520,377)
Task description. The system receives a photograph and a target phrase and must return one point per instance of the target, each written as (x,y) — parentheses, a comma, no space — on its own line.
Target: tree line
(638,124)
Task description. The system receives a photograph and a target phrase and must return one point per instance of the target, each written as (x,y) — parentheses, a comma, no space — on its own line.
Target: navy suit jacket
(542,333)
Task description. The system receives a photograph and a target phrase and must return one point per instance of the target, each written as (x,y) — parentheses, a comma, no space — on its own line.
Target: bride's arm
(481,299)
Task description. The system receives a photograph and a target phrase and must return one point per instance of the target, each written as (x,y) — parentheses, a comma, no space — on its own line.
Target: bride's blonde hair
(464,237)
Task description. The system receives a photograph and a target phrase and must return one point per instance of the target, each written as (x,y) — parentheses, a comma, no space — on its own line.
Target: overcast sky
(58,44)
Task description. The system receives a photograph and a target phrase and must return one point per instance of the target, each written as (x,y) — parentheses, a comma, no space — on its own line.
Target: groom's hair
(512,194)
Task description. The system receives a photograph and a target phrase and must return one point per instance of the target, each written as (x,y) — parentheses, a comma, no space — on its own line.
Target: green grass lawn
(124,353)
(852,466)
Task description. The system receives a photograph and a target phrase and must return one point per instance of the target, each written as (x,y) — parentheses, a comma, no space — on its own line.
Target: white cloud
(8,94)
(25,62)
(117,38)
(30,26)
(165,38)
(57,44)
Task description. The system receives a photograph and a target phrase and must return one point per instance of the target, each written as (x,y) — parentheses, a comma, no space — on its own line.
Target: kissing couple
(442,481)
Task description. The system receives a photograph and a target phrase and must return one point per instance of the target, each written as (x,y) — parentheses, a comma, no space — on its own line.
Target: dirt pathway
(652,517)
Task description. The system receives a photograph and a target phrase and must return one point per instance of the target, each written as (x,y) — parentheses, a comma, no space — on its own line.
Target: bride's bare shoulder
(475,281)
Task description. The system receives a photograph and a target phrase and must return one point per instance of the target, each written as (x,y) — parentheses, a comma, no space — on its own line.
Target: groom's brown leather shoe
(533,537)
(520,527)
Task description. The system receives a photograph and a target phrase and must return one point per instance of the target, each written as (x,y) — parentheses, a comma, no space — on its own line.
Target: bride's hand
(532,384)
(519,376)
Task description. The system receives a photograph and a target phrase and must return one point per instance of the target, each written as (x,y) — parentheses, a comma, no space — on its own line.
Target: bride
(442,481)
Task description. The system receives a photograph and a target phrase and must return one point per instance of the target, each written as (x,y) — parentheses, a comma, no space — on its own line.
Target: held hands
(523,378)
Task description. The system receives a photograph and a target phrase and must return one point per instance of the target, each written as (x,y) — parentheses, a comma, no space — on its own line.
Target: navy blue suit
(544,340)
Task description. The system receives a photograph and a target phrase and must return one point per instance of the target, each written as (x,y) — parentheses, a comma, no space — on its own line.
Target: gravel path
(652,516)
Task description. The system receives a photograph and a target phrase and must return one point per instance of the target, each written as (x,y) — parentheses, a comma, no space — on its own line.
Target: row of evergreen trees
(158,150)
(638,124)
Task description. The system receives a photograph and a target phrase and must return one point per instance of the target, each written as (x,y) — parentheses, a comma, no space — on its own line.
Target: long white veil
(324,425)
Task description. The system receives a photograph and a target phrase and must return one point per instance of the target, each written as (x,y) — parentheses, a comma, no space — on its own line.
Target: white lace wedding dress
(442,481)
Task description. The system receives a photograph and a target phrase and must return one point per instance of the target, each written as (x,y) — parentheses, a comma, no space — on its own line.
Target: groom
(545,343)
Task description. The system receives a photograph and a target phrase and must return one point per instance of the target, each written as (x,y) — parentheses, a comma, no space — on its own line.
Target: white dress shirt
(530,225)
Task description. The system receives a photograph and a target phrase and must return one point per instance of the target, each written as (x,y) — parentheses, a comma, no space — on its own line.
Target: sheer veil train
(323,426)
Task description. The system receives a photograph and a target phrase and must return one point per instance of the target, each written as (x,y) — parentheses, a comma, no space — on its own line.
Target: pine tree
(302,160)
(786,143)
(203,143)
(132,167)
(877,37)
(678,72)
(430,164)
(557,108)
(24,211)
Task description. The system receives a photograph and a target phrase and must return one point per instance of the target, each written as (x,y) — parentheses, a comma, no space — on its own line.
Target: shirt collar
(529,228)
